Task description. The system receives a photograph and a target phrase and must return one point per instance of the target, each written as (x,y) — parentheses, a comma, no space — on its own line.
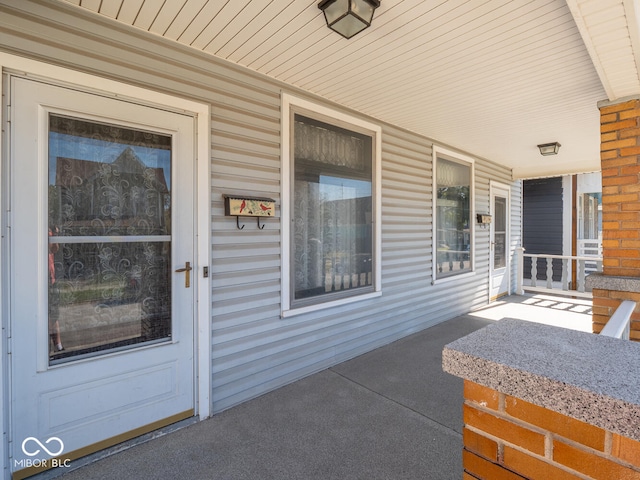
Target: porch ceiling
(491,77)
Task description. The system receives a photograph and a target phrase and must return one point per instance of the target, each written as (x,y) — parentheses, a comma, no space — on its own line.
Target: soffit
(493,78)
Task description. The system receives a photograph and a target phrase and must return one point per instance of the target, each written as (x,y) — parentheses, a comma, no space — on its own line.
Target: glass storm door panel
(101,323)
(109,234)
(499,234)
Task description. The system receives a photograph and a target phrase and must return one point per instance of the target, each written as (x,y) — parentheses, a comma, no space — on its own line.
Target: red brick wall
(506,438)
(620,161)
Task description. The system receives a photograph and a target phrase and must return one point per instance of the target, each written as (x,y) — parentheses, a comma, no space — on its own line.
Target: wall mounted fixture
(549,148)
(483,219)
(348,17)
(239,206)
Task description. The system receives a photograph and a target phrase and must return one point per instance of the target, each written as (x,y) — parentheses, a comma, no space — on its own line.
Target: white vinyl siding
(255,350)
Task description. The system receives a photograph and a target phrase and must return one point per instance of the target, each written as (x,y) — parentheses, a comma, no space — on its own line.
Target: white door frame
(202,113)
(493,185)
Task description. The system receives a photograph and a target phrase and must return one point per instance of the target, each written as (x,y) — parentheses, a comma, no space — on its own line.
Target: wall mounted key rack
(240,206)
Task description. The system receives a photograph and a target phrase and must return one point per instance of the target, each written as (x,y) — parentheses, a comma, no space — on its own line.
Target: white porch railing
(590,247)
(619,325)
(584,266)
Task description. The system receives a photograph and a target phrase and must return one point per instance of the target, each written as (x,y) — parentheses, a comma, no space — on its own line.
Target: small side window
(453,191)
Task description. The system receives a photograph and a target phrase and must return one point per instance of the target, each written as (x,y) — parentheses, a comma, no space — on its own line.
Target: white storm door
(499,235)
(101,220)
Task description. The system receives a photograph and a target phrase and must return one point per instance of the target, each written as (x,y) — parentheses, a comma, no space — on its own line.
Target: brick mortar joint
(550,438)
(503,443)
(608,442)
(503,415)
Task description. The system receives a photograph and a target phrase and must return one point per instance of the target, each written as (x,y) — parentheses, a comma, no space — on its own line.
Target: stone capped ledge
(581,375)
(611,282)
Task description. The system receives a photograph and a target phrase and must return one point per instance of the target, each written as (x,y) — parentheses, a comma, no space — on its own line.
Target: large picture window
(453,217)
(332,236)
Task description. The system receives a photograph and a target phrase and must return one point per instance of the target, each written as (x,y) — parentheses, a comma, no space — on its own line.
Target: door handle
(187,274)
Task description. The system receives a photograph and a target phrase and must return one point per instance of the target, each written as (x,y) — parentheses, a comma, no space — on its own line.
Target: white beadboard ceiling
(491,77)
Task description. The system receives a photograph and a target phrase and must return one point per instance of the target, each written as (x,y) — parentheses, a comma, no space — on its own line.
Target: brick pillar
(620,162)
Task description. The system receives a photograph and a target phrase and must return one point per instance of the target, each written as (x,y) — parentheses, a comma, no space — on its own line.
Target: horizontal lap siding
(253,349)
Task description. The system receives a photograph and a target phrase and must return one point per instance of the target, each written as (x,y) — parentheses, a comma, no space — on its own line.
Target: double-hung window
(332,210)
(453,213)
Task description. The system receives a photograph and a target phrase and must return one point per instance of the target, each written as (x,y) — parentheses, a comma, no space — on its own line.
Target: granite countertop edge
(498,357)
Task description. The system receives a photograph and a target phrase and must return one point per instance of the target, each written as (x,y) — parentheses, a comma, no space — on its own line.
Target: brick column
(620,162)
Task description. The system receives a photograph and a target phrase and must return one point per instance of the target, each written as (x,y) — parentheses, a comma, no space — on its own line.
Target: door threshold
(106,448)
(497,297)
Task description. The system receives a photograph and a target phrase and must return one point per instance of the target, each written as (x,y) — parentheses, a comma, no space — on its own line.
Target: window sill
(335,303)
(452,278)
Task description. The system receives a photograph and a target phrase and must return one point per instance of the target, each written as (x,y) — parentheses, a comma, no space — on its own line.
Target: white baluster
(534,270)
(581,275)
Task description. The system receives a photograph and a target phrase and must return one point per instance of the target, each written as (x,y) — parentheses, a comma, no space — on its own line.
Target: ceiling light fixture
(348,17)
(549,148)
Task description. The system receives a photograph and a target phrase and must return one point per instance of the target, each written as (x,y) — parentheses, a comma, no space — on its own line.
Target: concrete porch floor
(388,414)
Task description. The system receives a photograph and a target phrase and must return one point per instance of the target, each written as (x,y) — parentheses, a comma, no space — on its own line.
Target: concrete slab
(322,427)
(389,414)
(558,311)
(408,371)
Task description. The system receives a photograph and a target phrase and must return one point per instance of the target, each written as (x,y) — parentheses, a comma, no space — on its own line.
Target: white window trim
(465,160)
(288,102)
(202,114)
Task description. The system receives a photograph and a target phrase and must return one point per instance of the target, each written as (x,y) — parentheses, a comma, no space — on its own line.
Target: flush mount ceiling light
(348,17)
(549,148)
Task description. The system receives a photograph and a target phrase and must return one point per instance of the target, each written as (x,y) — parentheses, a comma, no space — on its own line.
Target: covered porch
(475,84)
(390,413)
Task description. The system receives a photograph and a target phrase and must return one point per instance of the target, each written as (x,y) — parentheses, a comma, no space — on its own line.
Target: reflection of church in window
(124,197)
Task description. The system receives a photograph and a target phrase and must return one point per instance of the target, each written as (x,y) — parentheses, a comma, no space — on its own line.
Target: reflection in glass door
(109,210)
